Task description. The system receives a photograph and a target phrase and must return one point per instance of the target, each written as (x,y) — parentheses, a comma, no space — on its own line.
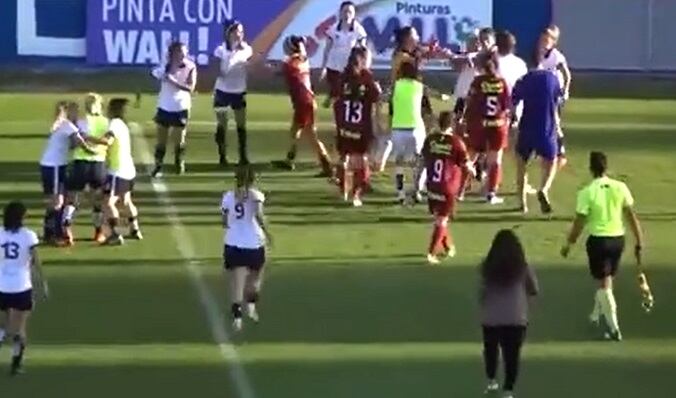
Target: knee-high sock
(608,308)
(596,310)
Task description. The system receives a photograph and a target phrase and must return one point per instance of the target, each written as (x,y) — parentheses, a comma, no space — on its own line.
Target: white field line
(215,318)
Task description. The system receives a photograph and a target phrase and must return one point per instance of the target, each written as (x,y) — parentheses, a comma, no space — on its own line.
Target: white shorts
(407,144)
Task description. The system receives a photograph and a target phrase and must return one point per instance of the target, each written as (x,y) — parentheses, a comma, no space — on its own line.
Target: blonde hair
(93,104)
(60,112)
(554,32)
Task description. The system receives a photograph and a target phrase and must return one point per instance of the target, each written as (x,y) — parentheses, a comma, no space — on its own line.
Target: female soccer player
(232,57)
(353,111)
(178,78)
(121,173)
(88,169)
(445,158)
(601,207)
(64,136)
(507,284)
(246,235)
(341,39)
(19,263)
(296,71)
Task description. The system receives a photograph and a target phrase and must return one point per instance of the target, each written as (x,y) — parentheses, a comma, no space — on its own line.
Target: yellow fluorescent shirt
(602,203)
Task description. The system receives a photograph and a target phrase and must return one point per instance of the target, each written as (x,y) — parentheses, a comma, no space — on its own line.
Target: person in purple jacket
(540,92)
(507,285)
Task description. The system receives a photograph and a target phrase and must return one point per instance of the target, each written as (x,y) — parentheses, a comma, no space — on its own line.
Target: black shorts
(604,255)
(118,186)
(53,179)
(459,107)
(235,257)
(22,301)
(85,173)
(172,119)
(223,100)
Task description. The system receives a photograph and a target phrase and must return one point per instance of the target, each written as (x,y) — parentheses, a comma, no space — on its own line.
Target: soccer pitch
(349,307)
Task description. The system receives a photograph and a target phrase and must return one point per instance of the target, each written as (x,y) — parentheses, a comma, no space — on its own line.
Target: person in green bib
(602,206)
(408,128)
(88,169)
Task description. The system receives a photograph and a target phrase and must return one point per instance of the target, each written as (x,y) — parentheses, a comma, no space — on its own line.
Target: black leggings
(509,339)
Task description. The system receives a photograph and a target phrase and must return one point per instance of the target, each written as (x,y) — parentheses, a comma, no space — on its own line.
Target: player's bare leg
(521,180)
(440,239)
(132,213)
(252,290)
(52,221)
(386,151)
(419,179)
(399,179)
(220,136)
(548,174)
(320,149)
(360,165)
(295,133)
(608,306)
(16,332)
(494,162)
(70,207)
(179,134)
(238,277)
(240,121)
(466,177)
(97,215)
(160,150)
(347,177)
(113,217)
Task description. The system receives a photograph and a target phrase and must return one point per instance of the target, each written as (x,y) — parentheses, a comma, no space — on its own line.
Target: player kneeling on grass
(353,110)
(507,284)
(444,156)
(88,169)
(19,263)
(296,71)
(601,207)
(246,235)
(63,137)
(121,173)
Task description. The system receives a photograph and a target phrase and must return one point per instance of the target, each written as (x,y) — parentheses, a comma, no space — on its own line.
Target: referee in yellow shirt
(602,207)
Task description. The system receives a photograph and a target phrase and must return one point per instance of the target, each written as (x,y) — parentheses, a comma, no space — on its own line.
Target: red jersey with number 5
(489,103)
(445,155)
(352,110)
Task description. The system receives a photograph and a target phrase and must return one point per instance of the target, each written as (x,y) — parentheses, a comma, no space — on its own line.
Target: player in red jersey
(296,71)
(487,117)
(353,110)
(446,160)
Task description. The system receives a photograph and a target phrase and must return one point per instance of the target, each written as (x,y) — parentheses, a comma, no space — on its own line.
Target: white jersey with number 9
(15,260)
(243,230)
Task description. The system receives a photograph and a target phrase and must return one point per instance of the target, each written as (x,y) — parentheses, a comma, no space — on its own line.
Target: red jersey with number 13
(445,155)
(352,112)
(489,103)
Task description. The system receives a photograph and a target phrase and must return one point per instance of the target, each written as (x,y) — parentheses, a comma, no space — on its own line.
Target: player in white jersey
(63,137)
(245,240)
(232,58)
(178,78)
(553,60)
(341,38)
(19,265)
(121,173)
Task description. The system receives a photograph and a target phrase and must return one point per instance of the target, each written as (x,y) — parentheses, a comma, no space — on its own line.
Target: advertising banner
(137,32)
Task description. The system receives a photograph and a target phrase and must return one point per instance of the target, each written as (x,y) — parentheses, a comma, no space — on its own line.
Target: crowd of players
(498,99)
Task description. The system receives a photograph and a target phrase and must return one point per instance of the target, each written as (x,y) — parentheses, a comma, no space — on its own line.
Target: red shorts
(346,146)
(482,139)
(440,205)
(333,80)
(304,114)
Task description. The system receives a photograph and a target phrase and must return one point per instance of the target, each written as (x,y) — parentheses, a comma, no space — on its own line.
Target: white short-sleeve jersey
(466,77)
(233,63)
(58,145)
(512,68)
(120,160)
(552,61)
(171,98)
(243,230)
(15,260)
(344,40)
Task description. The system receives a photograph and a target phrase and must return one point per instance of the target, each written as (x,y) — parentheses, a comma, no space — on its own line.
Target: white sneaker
(461,196)
(432,259)
(356,202)
(237,324)
(451,252)
(493,199)
(252,313)
(491,387)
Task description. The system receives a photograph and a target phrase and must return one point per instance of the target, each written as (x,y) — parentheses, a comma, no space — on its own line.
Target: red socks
(438,234)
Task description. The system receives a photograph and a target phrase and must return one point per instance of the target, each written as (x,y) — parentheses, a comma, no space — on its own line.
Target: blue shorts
(53,179)
(223,100)
(547,149)
(172,119)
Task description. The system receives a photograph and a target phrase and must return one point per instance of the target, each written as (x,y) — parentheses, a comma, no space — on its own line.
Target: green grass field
(349,308)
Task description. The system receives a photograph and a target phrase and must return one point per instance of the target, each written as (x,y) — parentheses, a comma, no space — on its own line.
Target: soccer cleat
(613,336)
(68,238)
(114,240)
(493,199)
(545,204)
(289,165)
(356,202)
(252,313)
(492,387)
(432,259)
(135,235)
(157,172)
(237,324)
(451,252)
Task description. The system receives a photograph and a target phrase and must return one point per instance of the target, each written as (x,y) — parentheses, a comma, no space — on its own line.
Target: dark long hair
(245,177)
(12,217)
(228,30)
(174,46)
(506,260)
(356,65)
